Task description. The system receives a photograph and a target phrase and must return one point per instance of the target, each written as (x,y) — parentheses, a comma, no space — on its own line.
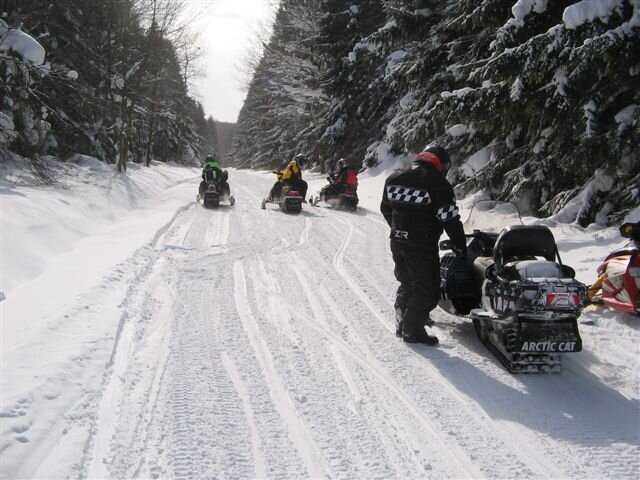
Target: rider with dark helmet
(418,204)
(212,172)
(344,175)
(291,175)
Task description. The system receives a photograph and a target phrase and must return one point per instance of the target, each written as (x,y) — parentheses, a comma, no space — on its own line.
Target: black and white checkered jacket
(418,204)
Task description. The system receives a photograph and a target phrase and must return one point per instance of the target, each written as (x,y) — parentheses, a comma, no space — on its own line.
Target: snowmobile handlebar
(446,245)
(484,237)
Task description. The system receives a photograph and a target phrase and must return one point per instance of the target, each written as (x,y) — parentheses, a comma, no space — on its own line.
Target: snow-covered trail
(255,344)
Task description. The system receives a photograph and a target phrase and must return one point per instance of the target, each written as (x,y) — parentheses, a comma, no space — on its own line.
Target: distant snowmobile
(289,200)
(213,195)
(523,300)
(618,283)
(341,192)
(344,199)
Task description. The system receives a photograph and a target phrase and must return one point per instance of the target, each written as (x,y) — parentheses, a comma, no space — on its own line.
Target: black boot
(399,315)
(420,337)
(413,323)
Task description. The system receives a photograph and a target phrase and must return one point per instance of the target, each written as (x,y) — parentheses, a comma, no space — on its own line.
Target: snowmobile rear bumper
(211,200)
(291,204)
(542,336)
(348,202)
(526,344)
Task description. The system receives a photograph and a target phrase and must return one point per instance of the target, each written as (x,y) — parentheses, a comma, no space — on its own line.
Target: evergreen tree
(557,98)
(347,81)
(278,118)
(113,86)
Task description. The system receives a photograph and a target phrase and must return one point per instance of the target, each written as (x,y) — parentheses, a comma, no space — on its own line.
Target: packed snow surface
(146,337)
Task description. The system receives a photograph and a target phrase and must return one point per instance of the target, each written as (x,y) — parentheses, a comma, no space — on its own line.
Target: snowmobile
(214,194)
(618,283)
(524,302)
(345,199)
(290,200)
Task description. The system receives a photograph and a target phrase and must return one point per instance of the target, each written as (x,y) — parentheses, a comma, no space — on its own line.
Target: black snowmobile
(344,198)
(523,300)
(214,194)
(290,200)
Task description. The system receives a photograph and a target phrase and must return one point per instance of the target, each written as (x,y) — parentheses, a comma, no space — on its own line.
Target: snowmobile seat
(524,242)
(532,269)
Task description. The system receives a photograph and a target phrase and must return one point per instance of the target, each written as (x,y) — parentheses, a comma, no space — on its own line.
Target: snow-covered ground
(146,337)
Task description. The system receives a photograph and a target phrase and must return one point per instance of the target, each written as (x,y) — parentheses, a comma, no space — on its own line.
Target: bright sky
(227,30)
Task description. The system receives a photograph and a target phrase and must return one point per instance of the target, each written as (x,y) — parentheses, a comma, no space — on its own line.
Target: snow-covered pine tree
(24,126)
(112,75)
(534,99)
(416,71)
(279,116)
(556,99)
(351,69)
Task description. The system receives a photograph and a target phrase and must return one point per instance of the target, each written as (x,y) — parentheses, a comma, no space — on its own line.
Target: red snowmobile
(341,192)
(343,197)
(618,283)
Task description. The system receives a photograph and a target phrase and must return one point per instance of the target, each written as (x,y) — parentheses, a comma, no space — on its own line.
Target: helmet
(300,159)
(341,164)
(631,230)
(442,161)
(210,158)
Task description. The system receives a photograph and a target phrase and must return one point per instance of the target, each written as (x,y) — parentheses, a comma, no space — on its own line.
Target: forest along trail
(261,345)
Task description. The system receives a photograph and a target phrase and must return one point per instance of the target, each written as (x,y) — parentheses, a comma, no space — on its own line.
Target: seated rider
(342,176)
(213,173)
(290,175)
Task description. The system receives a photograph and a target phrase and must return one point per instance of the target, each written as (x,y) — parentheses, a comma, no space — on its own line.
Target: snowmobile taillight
(553,299)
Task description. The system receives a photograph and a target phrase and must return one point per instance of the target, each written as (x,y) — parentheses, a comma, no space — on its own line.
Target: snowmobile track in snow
(539,465)
(260,345)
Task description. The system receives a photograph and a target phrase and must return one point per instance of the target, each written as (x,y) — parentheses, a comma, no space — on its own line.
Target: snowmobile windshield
(492,216)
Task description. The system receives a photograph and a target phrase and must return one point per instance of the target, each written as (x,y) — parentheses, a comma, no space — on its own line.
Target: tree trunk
(150,139)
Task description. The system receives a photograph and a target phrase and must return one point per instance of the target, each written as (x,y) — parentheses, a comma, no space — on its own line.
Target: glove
(460,252)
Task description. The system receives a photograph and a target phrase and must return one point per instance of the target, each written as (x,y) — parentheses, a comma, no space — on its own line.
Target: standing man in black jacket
(418,203)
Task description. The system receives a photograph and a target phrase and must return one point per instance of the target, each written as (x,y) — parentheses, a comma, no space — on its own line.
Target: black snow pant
(333,189)
(417,268)
(276,190)
(300,184)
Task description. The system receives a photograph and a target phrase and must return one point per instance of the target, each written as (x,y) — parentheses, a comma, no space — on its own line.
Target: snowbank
(38,223)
